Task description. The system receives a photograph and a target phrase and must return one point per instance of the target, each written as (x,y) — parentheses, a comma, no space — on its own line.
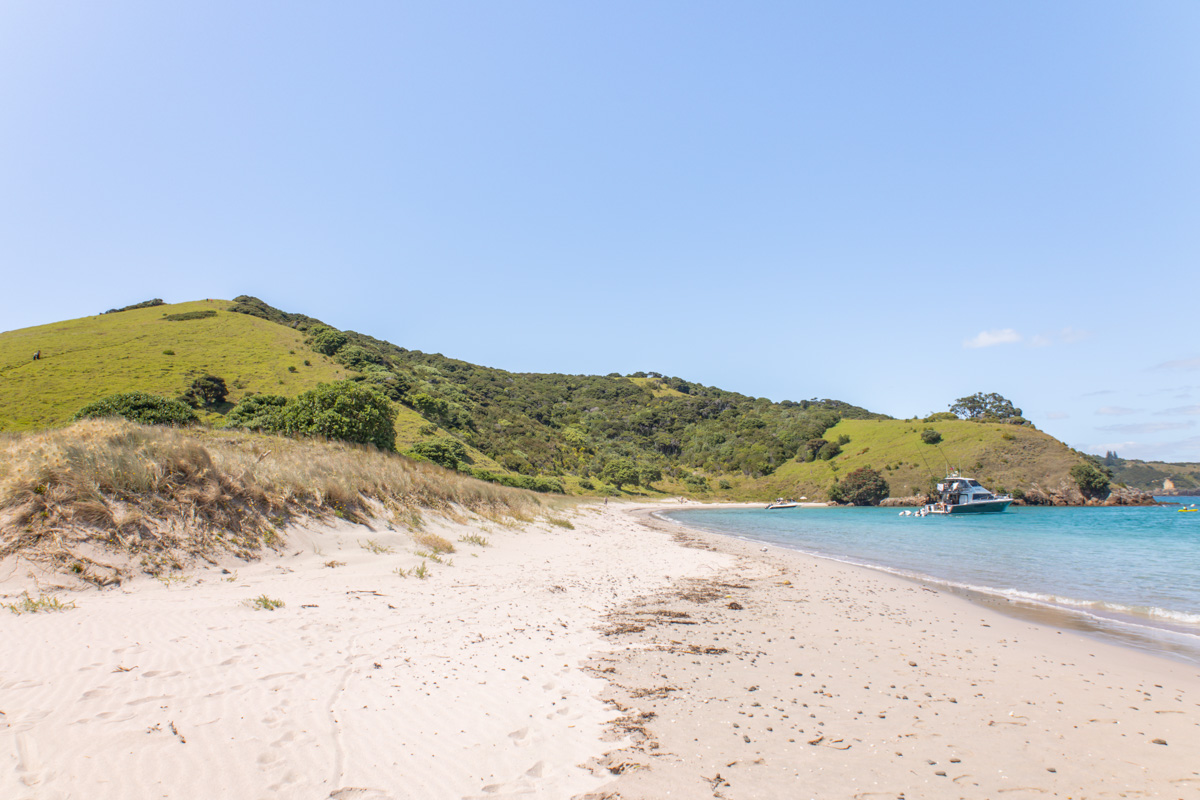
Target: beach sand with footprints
(622,657)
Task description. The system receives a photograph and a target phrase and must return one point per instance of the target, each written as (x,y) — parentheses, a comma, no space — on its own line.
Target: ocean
(1127,574)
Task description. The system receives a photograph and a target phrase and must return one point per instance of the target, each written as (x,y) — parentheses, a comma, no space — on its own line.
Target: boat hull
(984,507)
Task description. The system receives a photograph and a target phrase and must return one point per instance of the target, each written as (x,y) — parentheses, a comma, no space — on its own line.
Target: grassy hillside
(1002,457)
(684,436)
(83,359)
(1149,475)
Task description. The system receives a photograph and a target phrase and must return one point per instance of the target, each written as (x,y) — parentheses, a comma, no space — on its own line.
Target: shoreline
(1153,636)
(796,675)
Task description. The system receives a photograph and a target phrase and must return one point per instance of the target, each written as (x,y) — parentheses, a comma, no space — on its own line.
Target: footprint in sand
(519,737)
(29,766)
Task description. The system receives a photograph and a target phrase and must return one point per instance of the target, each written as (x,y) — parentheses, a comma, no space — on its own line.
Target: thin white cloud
(1072,335)
(1181,363)
(1170,412)
(1116,411)
(1099,392)
(1147,427)
(1062,336)
(993,338)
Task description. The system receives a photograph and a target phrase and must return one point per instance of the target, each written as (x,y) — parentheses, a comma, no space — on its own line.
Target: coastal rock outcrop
(1127,496)
(1068,494)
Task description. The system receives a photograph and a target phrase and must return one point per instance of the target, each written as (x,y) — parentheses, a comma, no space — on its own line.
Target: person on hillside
(37,356)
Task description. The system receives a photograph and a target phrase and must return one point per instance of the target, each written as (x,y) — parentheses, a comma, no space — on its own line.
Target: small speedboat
(781,503)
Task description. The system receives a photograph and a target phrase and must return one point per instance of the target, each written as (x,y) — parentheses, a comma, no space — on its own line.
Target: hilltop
(647,432)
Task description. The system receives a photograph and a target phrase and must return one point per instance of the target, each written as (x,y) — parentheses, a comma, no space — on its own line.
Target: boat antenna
(949,468)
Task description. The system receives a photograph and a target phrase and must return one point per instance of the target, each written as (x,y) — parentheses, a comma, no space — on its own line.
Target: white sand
(467,684)
(488,680)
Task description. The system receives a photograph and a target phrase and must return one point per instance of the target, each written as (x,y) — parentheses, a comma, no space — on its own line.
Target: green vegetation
(264,603)
(896,449)
(187,315)
(986,408)
(148,409)
(207,391)
(344,410)
(259,412)
(144,304)
(37,605)
(446,451)
(862,487)
(645,434)
(1091,480)
(930,436)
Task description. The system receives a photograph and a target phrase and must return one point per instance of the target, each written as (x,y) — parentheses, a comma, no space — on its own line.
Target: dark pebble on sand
(1159,741)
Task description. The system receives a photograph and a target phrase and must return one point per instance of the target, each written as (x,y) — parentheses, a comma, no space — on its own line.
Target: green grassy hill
(699,439)
(1002,457)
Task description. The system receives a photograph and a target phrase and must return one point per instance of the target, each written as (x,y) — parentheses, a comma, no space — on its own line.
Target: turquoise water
(1131,572)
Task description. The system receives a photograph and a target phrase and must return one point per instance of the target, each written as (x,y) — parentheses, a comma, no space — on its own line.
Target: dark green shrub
(445,451)
(186,315)
(206,391)
(356,357)
(1090,479)
(144,304)
(829,450)
(324,339)
(648,474)
(168,352)
(930,436)
(619,472)
(586,483)
(724,484)
(148,409)
(343,410)
(259,412)
(533,483)
(861,487)
(291,368)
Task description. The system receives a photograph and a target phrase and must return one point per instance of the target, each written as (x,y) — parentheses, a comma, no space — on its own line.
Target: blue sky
(893,204)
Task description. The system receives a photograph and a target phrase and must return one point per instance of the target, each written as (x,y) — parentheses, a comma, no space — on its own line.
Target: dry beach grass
(70,496)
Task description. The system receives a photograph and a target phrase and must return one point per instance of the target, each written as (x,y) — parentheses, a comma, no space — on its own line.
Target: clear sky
(892,204)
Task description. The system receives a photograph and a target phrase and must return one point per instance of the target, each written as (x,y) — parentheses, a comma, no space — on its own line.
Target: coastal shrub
(586,483)
(930,436)
(1090,479)
(186,315)
(356,357)
(168,352)
(326,340)
(648,474)
(534,483)
(862,487)
(429,406)
(258,412)
(148,409)
(724,484)
(829,450)
(342,410)
(206,391)
(445,451)
(940,416)
(144,304)
(619,472)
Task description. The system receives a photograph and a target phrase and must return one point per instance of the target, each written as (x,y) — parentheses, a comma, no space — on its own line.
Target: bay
(1126,573)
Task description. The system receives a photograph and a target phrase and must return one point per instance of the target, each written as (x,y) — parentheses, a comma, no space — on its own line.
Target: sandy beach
(619,658)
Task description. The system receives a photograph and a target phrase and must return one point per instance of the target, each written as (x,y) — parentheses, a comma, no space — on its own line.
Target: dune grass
(163,496)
